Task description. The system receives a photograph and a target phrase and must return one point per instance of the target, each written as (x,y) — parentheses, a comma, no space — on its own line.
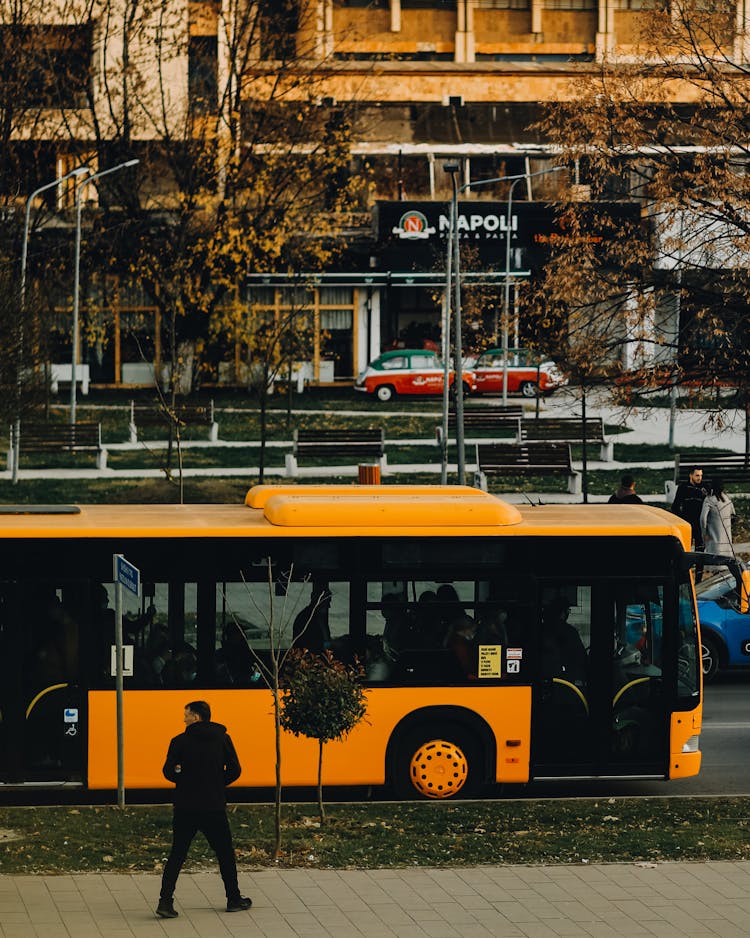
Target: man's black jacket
(208,763)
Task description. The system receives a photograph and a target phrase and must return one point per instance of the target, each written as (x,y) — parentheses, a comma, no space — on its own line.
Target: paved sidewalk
(704,900)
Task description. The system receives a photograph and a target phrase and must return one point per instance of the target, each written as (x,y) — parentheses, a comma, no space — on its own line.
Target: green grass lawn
(64,839)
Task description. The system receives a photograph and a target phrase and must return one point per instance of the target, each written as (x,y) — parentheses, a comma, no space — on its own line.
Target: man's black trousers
(215,828)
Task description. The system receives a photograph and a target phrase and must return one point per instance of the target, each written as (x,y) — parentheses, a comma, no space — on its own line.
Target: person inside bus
(452,614)
(235,665)
(562,651)
(424,618)
(181,667)
(493,625)
(311,629)
(55,637)
(398,633)
(463,644)
(459,629)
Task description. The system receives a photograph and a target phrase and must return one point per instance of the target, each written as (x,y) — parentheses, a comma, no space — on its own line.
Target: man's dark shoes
(166,909)
(240,904)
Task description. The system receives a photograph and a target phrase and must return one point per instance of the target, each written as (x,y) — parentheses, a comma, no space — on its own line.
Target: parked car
(525,377)
(407,371)
(725,631)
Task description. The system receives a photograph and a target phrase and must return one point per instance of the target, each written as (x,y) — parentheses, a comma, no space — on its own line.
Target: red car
(523,373)
(408,371)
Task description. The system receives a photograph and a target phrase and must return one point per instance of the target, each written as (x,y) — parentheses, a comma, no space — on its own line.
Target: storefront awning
(388,278)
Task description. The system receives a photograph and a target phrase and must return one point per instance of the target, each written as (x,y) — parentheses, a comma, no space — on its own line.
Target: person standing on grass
(716,520)
(688,503)
(625,495)
(201,762)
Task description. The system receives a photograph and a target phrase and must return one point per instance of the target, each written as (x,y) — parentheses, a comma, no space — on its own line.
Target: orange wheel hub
(438,769)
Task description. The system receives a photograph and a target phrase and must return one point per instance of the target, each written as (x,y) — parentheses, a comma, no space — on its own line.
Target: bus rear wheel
(437,763)
(529,389)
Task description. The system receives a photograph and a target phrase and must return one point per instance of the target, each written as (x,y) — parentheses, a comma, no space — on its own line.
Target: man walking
(201,762)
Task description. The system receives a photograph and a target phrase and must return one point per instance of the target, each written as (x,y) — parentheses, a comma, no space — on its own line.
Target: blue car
(725,631)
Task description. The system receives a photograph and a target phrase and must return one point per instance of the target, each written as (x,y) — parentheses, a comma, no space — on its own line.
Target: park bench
(336,444)
(152,415)
(499,417)
(59,438)
(566,430)
(526,459)
(730,467)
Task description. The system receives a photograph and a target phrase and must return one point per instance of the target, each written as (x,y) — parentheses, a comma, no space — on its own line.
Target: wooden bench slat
(526,459)
(336,442)
(731,467)
(58,437)
(153,415)
(566,430)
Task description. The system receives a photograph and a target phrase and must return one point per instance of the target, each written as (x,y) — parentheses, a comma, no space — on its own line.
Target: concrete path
(669,900)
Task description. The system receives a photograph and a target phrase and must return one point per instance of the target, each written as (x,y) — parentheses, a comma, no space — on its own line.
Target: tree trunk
(263,392)
(321,810)
(277,806)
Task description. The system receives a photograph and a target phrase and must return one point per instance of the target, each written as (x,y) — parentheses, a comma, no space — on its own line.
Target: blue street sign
(128,575)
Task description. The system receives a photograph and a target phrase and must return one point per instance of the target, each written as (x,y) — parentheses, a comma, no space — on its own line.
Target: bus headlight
(691,745)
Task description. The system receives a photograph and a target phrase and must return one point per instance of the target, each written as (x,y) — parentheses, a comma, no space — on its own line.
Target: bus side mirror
(745,592)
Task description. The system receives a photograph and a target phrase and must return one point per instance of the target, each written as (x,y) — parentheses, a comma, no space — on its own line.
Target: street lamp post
(78,171)
(514,180)
(453,169)
(76,276)
(506,298)
(446,349)
(458,382)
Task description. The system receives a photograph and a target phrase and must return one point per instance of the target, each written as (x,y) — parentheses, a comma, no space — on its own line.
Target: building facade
(437,93)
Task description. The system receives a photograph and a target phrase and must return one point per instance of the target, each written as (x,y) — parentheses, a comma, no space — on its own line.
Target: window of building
(400,177)
(279,24)
(321,320)
(504,4)
(53,64)
(428,4)
(202,73)
(570,4)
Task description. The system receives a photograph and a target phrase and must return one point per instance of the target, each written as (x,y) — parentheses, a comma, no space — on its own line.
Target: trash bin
(369,473)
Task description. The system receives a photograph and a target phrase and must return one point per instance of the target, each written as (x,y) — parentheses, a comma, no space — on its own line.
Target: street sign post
(124,574)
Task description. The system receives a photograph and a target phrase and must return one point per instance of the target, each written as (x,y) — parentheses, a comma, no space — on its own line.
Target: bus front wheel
(437,763)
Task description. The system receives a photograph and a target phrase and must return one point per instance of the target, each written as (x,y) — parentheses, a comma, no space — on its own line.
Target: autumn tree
(39,75)
(323,700)
(243,166)
(663,124)
(280,616)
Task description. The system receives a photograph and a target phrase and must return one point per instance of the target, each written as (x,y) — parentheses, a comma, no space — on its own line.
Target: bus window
(312,614)
(563,696)
(637,692)
(162,627)
(566,635)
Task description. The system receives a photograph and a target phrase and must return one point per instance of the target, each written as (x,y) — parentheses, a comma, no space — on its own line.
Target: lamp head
(451,167)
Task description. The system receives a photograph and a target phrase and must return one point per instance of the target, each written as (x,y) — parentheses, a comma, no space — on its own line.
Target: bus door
(41,704)
(598,694)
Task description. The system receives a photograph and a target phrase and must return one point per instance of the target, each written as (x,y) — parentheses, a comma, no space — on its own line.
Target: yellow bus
(501,644)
